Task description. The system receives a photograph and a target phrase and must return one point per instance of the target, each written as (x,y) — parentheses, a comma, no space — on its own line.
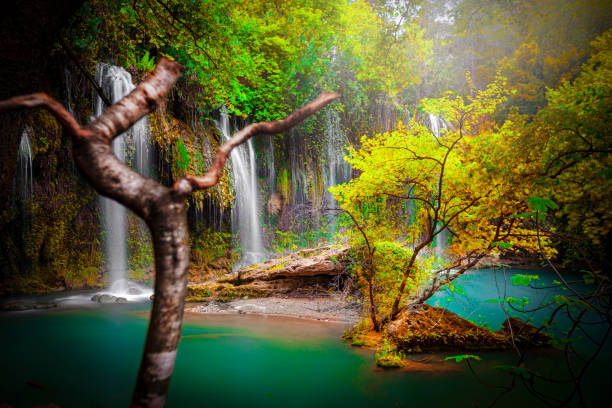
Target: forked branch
(163,209)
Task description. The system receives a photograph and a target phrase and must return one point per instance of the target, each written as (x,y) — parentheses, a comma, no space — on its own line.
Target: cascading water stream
(24,183)
(437,125)
(68,84)
(337,170)
(245,213)
(116,83)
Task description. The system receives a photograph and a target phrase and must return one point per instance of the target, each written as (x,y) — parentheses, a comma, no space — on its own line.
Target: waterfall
(116,83)
(245,212)
(436,124)
(24,182)
(337,170)
(68,83)
(440,242)
(143,148)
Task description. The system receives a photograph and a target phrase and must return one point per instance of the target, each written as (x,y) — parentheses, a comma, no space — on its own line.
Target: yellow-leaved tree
(468,181)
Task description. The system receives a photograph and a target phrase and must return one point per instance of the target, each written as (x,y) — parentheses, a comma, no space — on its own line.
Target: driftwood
(162,208)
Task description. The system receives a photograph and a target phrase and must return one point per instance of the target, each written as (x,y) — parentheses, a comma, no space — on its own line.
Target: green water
(89,358)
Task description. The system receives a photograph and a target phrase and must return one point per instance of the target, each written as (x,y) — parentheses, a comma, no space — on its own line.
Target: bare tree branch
(140,102)
(190,183)
(163,209)
(42,100)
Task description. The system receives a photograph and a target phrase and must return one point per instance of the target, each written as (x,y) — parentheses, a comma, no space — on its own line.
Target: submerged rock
(45,305)
(26,305)
(523,333)
(427,328)
(420,328)
(106,298)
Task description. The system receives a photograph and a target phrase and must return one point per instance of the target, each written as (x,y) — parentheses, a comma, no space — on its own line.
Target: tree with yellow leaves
(466,181)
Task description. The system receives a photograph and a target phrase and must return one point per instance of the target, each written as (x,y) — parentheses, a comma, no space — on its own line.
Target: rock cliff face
(303,273)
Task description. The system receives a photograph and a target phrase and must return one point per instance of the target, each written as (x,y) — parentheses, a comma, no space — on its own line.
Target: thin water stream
(246,209)
(116,83)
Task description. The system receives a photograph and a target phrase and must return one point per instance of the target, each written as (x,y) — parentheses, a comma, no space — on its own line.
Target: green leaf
(541,204)
(523,280)
(462,357)
(503,245)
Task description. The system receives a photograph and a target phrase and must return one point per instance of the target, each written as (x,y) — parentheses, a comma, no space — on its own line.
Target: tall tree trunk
(170,243)
(162,208)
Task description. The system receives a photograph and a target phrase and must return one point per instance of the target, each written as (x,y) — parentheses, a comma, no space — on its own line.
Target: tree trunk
(162,208)
(170,242)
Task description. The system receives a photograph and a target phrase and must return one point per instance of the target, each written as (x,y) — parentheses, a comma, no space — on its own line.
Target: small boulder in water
(45,305)
(120,300)
(523,333)
(26,305)
(104,298)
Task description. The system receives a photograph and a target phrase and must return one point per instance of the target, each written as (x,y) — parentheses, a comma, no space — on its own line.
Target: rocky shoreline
(328,309)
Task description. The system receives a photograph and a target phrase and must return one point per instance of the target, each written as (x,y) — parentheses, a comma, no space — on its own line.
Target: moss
(432,329)
(198,298)
(55,243)
(388,356)
(198,291)
(228,293)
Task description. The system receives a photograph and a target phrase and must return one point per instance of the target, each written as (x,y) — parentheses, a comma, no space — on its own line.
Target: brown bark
(162,208)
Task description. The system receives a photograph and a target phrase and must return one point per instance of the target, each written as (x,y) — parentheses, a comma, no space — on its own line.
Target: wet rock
(309,271)
(45,305)
(328,261)
(420,328)
(275,203)
(26,305)
(120,300)
(106,298)
(15,306)
(426,328)
(523,333)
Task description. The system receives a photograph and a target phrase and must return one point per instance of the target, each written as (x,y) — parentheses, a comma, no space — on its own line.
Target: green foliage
(146,64)
(181,157)
(575,145)
(541,204)
(462,357)
(524,280)
(385,275)
(286,241)
(388,356)
(387,57)
(209,245)
(140,246)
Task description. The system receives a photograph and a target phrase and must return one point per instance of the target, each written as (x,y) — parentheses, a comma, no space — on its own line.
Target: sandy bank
(330,309)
